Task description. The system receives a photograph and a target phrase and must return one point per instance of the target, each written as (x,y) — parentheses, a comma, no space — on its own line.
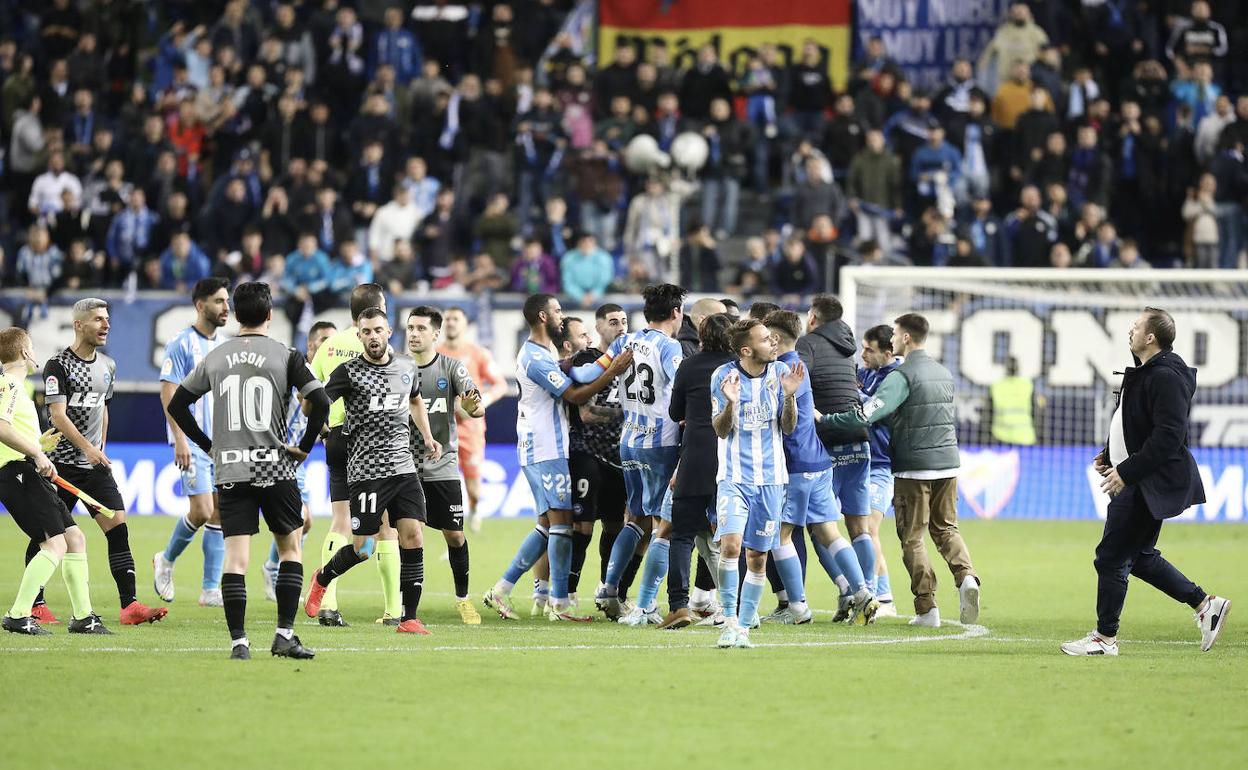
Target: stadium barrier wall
(994,483)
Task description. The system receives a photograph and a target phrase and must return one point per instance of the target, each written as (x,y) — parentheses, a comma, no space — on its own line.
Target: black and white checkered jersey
(600,439)
(85,387)
(377,399)
(442,380)
(251,378)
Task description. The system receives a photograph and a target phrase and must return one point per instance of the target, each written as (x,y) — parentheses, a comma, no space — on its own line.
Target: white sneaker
(968,598)
(269,570)
(790,616)
(162,576)
(640,617)
(211,597)
(863,608)
(886,610)
(1211,619)
(728,638)
(574,602)
(929,619)
(540,603)
(1092,644)
(474,522)
(715,620)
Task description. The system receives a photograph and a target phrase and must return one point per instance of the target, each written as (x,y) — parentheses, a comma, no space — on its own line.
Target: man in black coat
(1151,476)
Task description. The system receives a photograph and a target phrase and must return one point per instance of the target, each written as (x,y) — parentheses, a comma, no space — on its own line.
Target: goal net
(1064,335)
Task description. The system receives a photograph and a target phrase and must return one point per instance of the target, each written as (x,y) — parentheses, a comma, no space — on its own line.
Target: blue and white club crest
(442,383)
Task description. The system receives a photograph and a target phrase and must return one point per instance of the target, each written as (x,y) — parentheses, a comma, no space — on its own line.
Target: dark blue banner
(925,36)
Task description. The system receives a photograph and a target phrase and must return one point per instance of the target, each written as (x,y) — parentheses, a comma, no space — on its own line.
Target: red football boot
(136,614)
(43,614)
(413,626)
(316,592)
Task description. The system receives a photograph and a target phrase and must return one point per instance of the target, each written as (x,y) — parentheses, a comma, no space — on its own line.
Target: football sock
(654,572)
(882,588)
(34,577)
(76,575)
(458,556)
(213,544)
(704,578)
(799,545)
(33,548)
(541,590)
(728,587)
(388,571)
(234,597)
(333,543)
(630,574)
(121,562)
(531,550)
(183,534)
(621,555)
(790,569)
(559,551)
(411,579)
(751,592)
(606,544)
(827,559)
(864,547)
(287,587)
(847,562)
(580,546)
(343,560)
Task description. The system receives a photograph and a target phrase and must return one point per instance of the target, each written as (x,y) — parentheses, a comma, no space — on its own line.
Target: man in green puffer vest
(916,401)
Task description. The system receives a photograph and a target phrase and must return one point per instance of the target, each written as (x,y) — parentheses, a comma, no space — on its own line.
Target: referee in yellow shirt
(31,499)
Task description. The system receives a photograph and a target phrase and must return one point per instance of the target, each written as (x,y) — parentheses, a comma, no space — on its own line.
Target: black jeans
(1129,547)
(688,519)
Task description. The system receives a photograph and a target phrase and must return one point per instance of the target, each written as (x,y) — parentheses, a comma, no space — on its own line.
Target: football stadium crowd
(455,147)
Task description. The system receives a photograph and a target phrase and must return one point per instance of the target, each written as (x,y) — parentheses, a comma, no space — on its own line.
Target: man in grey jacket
(828,350)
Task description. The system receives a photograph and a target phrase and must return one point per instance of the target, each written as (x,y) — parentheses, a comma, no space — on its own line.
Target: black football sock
(459,568)
(344,559)
(234,597)
(287,587)
(777,585)
(580,545)
(606,541)
(32,548)
(121,562)
(630,572)
(704,579)
(411,579)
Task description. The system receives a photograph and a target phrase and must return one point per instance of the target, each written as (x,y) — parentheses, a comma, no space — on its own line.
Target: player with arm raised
(879,361)
(252,376)
(380,392)
(78,385)
(542,444)
(445,388)
(471,430)
(754,405)
(211,298)
(32,502)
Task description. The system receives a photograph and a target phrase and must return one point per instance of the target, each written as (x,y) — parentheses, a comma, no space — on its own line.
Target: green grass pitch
(535,694)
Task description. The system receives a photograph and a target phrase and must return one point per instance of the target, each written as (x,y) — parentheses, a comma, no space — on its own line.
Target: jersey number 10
(252,403)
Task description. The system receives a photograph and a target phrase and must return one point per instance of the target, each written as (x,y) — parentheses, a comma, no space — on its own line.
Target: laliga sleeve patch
(871,407)
(51,387)
(166,368)
(556,379)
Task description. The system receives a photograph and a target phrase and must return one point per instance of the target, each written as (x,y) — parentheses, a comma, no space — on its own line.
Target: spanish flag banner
(735,27)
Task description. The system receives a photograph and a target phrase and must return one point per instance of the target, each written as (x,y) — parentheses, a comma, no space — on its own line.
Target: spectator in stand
(1031,131)
(555,231)
(349,270)
(1129,257)
(932,241)
(699,260)
(540,147)
(986,233)
(599,184)
(1018,39)
(955,98)
(874,188)
(705,82)
(297,50)
(618,127)
(761,86)
(443,236)
(1129,152)
(1046,72)
(1083,232)
(1051,166)
(66,225)
(728,141)
(1199,92)
(1200,211)
(80,127)
(668,122)
(369,184)
(131,234)
(1015,96)
(809,93)
(306,282)
(874,66)
(423,188)
(817,195)
(1031,230)
(39,265)
(1198,37)
(1091,170)
(936,171)
(965,254)
(45,193)
(278,227)
(401,273)
(397,47)
(617,79)
(479,275)
(1082,92)
(228,219)
(83,268)
(1059,257)
(397,220)
(906,130)
(796,275)
(1209,129)
(495,230)
(752,274)
(1102,251)
(535,272)
(587,272)
(1231,190)
(843,136)
(183,264)
(652,231)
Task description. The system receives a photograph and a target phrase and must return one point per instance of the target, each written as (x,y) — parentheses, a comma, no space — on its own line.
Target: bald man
(687,336)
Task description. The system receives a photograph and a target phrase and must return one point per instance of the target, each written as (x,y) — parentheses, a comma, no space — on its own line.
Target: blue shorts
(301,478)
(750,511)
(647,473)
(881,490)
(198,479)
(851,474)
(551,484)
(808,499)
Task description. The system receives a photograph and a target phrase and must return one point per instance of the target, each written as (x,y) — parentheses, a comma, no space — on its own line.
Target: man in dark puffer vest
(917,401)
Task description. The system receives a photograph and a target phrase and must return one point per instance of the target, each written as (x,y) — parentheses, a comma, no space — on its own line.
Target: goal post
(1064,334)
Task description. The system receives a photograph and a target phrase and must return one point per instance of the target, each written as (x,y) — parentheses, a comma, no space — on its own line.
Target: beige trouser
(932,506)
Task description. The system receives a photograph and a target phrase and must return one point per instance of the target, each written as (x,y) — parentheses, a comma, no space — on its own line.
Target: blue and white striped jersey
(296,422)
(182,354)
(802,448)
(646,388)
(542,422)
(754,452)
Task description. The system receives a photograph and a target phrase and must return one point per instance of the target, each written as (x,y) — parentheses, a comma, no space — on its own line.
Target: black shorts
(336,462)
(98,482)
(597,489)
(241,504)
(444,505)
(401,496)
(32,501)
